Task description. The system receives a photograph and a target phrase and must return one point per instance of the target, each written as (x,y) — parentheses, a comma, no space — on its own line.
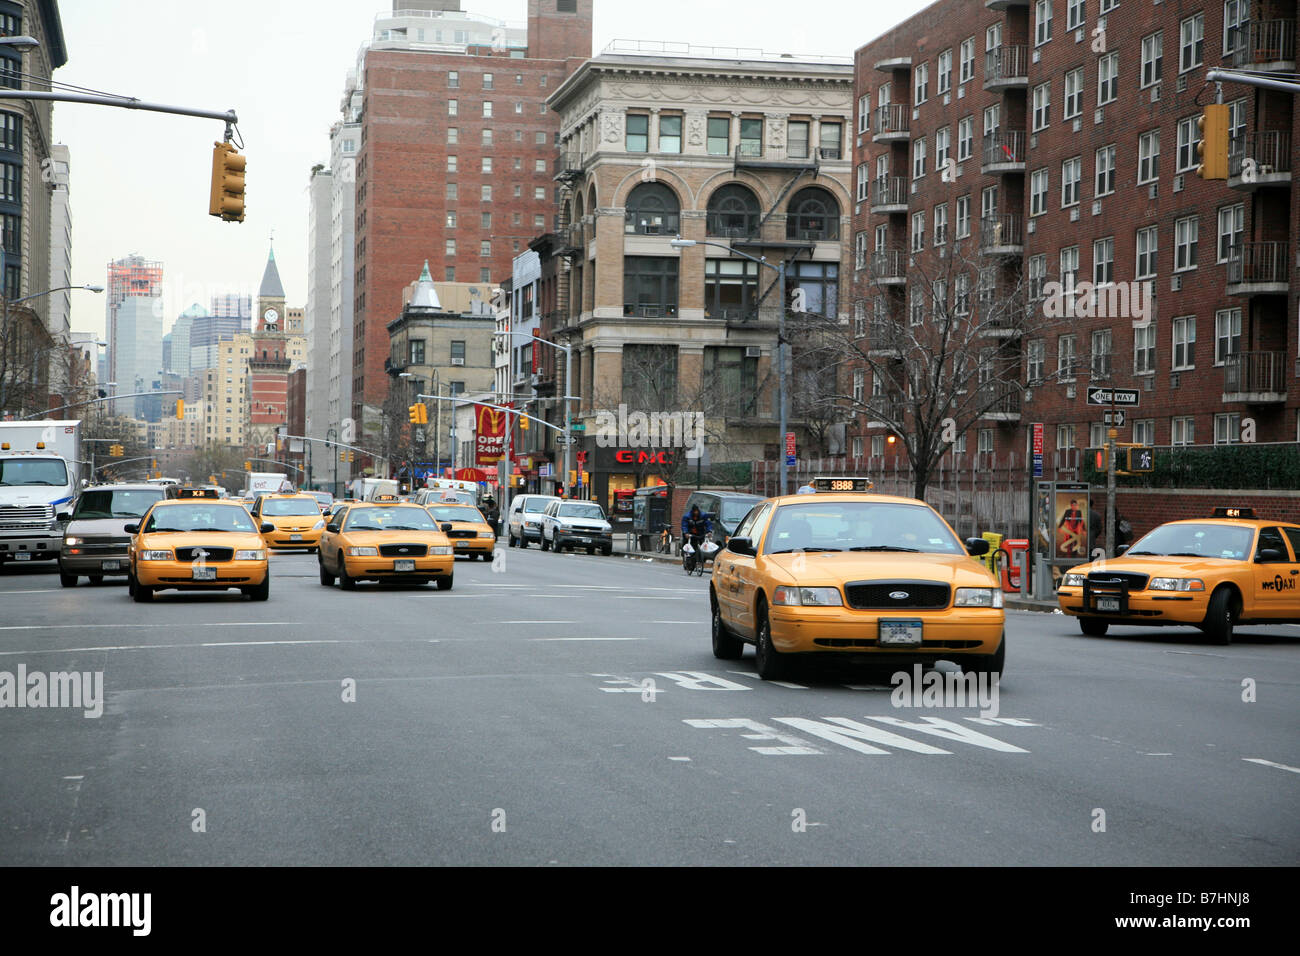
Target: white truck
(263,481)
(367,489)
(40,478)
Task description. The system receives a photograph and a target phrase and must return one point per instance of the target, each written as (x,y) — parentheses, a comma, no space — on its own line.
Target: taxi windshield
(456,513)
(389,519)
(1196,541)
(859,526)
(582,511)
(114,503)
(288,507)
(196,517)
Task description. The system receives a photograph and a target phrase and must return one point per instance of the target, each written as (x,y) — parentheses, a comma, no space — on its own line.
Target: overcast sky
(140,180)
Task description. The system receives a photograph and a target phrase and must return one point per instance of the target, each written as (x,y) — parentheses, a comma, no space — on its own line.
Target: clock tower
(270,313)
(269,365)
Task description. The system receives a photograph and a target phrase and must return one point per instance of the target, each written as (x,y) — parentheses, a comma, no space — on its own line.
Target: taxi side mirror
(131,528)
(445,526)
(741,546)
(1268,555)
(267,527)
(977,547)
(1121,548)
(332,527)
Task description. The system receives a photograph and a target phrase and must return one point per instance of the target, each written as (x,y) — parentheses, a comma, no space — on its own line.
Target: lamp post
(4,324)
(567,435)
(781,373)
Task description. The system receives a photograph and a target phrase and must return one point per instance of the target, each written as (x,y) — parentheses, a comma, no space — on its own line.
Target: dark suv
(726,509)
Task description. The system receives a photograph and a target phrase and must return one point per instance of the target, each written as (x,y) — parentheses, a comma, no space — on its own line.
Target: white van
(525,521)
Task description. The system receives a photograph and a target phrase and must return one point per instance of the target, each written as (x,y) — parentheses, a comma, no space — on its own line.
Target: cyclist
(696,527)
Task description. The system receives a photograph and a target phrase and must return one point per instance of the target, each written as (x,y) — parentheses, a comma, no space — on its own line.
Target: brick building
(456,157)
(1071,131)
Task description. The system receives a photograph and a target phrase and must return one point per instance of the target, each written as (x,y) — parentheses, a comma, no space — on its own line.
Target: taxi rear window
(199,517)
(290,507)
(413,518)
(1231,542)
(455,513)
(859,526)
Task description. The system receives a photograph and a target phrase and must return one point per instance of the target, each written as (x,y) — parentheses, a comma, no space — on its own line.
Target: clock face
(271,315)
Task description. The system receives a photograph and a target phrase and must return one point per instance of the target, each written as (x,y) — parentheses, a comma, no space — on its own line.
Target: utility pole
(1112,432)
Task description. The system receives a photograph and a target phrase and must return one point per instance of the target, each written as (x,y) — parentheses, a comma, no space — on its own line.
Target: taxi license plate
(403,565)
(111,566)
(295,537)
(462,544)
(22,556)
(1107,604)
(205,574)
(900,633)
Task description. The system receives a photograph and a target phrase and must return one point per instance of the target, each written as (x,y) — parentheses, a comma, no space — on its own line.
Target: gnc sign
(628,456)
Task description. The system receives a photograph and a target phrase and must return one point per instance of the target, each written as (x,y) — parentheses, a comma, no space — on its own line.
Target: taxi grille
(875,595)
(209,554)
(1128,579)
(462,534)
(403,550)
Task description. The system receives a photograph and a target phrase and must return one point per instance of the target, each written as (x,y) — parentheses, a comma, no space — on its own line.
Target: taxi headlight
(808,597)
(155,556)
(441,549)
(70,542)
(486,534)
(250,555)
(363,552)
(319,525)
(978,597)
(1073,581)
(1177,584)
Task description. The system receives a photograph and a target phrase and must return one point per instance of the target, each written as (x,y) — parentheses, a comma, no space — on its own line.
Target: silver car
(94,540)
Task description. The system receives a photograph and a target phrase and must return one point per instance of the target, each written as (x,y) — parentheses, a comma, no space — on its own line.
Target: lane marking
(536,622)
(171,627)
(790,745)
(1268,763)
(158,647)
(778,683)
(684,759)
(535,639)
(683,622)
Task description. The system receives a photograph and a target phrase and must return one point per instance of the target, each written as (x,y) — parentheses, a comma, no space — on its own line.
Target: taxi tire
(141,593)
(770,663)
(987,663)
(445,583)
(1092,627)
(1220,617)
(260,592)
(726,646)
(67,580)
(96,579)
(326,579)
(345,582)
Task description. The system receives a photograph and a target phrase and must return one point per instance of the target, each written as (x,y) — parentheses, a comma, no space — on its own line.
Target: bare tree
(24,370)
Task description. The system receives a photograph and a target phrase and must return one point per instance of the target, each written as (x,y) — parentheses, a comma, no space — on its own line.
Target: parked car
(567,524)
(726,508)
(525,521)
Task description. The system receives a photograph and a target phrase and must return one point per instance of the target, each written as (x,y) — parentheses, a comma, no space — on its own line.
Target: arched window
(813,214)
(652,210)
(733,212)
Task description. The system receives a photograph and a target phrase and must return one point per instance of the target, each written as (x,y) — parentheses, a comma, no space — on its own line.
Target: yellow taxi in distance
(1211,573)
(385,540)
(470,533)
(197,543)
(863,576)
(295,520)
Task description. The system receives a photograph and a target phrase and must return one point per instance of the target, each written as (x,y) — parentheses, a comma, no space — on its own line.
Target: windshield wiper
(804,550)
(1154,554)
(406,527)
(1185,554)
(884,547)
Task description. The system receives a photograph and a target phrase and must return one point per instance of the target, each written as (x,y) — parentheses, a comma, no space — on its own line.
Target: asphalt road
(509,721)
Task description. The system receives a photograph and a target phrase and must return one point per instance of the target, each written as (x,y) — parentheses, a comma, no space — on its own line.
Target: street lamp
(20,41)
(680,243)
(567,437)
(410,447)
(4,324)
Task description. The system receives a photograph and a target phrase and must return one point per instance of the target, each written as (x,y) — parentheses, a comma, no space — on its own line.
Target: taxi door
(728,568)
(329,540)
(746,579)
(1277,581)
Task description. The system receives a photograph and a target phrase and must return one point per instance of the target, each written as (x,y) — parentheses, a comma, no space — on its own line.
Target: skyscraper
(134,303)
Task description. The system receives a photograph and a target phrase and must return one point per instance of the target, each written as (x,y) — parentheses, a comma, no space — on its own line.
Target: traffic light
(1141,460)
(248,466)
(523,423)
(155,464)
(180,409)
(1212,148)
(115,451)
(418,413)
(227,200)
(343,456)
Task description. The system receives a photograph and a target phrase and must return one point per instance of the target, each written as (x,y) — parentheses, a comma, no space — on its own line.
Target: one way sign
(1124,397)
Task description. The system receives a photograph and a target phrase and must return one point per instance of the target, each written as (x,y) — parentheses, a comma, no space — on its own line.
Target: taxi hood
(1160,566)
(836,567)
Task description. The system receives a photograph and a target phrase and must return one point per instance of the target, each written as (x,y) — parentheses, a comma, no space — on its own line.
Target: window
(733,380)
(1187,140)
(670,134)
(1182,430)
(939,297)
(1152,58)
(863,182)
(1191,43)
(985,442)
(652,210)
(1073,93)
(1186,231)
(539,221)
(1042,105)
(943,81)
(820,284)
(719,135)
(488,81)
(1107,79)
(451,247)
(1148,156)
(451,190)
(539,192)
(961,294)
(733,212)
(1069,268)
(1227,334)
(942,141)
(485,221)
(918,158)
(751,137)
(1227,430)
(922,84)
(860,250)
(1038,192)
(1071,174)
(539,139)
(453,79)
(813,214)
(487,164)
(967,65)
(539,166)
(1035,354)
(485,194)
(487,109)
(831,140)
(1103,261)
(1184,342)
(915,306)
(1037,276)
(963,217)
(650,285)
(918,231)
(487,137)
(1097,435)
(451,220)
(940,224)
(519,107)
(1236,119)
(864,111)
(1101,353)
(992,121)
(417,352)
(1147,247)
(1065,357)
(1231,224)
(965,137)
(1073,14)
(1105,184)
(1144,349)
(453,136)
(451,164)
(453,107)
(989,202)
(638,133)
(1042,22)
(1235,14)
(797,139)
(730,288)
(1144,432)
(993,38)
(450,274)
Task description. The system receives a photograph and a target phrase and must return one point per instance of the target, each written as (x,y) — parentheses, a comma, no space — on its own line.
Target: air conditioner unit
(1098,115)
(753,351)
(1077,125)
(1153,190)
(1176,283)
(1074,214)
(1096,208)
(1178,183)
(1069,391)
(1033,140)
(1032,226)
(1038,55)
(961,92)
(1181,86)
(458,361)
(1155,93)
(947,99)
(1078,35)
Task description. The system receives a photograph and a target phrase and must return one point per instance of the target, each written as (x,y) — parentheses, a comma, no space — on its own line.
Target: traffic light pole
(123,102)
(1232,76)
(1111,433)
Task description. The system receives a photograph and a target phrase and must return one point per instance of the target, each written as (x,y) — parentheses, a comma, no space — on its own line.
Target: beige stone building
(750,156)
(225,388)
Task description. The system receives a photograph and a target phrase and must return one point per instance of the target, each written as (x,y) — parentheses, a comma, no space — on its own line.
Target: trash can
(1012,548)
(991,559)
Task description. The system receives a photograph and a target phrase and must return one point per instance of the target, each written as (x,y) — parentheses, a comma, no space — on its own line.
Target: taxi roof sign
(198,493)
(1233,513)
(385,498)
(830,483)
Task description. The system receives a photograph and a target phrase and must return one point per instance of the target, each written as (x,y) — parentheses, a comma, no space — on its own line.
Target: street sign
(1115,418)
(789,444)
(1038,449)
(578,427)
(565,440)
(1099,395)
(789,461)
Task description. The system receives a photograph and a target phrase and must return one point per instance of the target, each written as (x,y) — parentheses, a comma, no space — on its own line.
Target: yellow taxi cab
(1211,573)
(197,542)
(470,533)
(385,539)
(835,570)
(295,520)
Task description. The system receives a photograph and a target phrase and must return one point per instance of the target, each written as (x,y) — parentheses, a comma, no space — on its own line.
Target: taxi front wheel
(1093,627)
(444,583)
(1220,617)
(771,663)
(260,592)
(987,663)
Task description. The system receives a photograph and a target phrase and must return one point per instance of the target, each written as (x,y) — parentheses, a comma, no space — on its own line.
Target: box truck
(40,477)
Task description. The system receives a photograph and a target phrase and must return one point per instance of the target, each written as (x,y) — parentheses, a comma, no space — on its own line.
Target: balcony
(651,310)
(568,167)
(1004,152)
(893,123)
(1005,4)
(889,196)
(892,63)
(1256,378)
(1001,318)
(1007,68)
(1270,153)
(1001,235)
(889,267)
(882,410)
(1258,268)
(1001,403)
(732,225)
(885,337)
(1265,45)
(749,155)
